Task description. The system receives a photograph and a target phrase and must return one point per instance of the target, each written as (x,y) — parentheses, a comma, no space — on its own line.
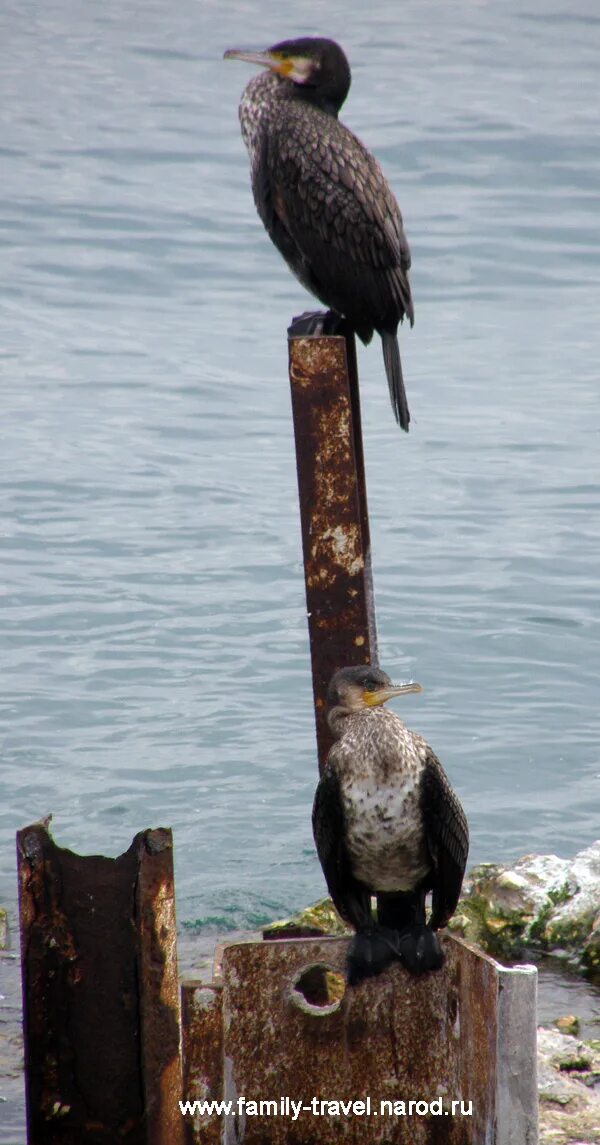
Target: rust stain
(338,547)
(333,510)
(310,356)
(85,921)
(394,1038)
(202,1055)
(160,1007)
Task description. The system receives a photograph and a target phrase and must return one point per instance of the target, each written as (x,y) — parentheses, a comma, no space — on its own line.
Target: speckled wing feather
(351,899)
(447,835)
(328,192)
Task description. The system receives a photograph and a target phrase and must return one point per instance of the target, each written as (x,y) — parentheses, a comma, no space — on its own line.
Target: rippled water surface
(154,651)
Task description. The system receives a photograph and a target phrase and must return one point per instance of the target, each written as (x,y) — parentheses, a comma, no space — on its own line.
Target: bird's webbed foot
(419,949)
(370,952)
(316,322)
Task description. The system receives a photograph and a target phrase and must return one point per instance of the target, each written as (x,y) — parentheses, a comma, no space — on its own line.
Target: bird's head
(356,689)
(317,68)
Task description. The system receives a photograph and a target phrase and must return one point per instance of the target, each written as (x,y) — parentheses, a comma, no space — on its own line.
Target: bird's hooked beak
(374,699)
(295,68)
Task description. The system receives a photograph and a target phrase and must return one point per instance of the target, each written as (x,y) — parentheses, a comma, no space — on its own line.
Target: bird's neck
(337,719)
(341,719)
(315,98)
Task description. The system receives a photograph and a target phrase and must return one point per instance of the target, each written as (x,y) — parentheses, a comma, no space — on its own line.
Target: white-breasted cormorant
(323,197)
(387,824)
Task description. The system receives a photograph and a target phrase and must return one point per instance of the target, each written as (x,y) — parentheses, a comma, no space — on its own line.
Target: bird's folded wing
(332,190)
(328,830)
(447,835)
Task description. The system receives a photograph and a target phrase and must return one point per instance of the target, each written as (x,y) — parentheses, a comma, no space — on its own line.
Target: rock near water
(541,904)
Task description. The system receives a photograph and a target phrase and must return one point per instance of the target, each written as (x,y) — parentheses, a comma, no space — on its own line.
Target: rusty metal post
(158,985)
(100,993)
(333,510)
(202,1035)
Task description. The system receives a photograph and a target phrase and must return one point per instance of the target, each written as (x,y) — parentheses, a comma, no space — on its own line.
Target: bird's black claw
(370,952)
(316,322)
(419,950)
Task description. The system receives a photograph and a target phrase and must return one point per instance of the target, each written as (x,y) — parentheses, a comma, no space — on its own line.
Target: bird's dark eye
(370,685)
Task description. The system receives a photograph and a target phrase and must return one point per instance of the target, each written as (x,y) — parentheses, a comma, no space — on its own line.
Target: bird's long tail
(393,369)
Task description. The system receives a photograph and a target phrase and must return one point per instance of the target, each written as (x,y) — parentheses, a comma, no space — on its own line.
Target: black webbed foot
(370,952)
(419,950)
(316,322)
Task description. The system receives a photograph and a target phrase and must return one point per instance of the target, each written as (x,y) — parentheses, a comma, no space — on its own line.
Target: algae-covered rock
(591,950)
(568,1024)
(502,908)
(571,924)
(568,1070)
(315,920)
(569,1055)
(541,902)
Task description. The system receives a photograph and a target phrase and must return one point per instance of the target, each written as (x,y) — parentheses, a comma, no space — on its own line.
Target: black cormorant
(386,823)
(323,197)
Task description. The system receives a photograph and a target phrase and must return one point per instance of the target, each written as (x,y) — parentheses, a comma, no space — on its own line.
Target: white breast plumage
(384,833)
(379,763)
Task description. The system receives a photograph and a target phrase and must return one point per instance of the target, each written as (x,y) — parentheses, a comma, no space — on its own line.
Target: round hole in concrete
(318,989)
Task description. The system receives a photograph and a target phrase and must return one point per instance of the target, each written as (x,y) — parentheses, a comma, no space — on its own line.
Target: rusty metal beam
(202,1033)
(446,1037)
(158,984)
(100,993)
(333,509)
